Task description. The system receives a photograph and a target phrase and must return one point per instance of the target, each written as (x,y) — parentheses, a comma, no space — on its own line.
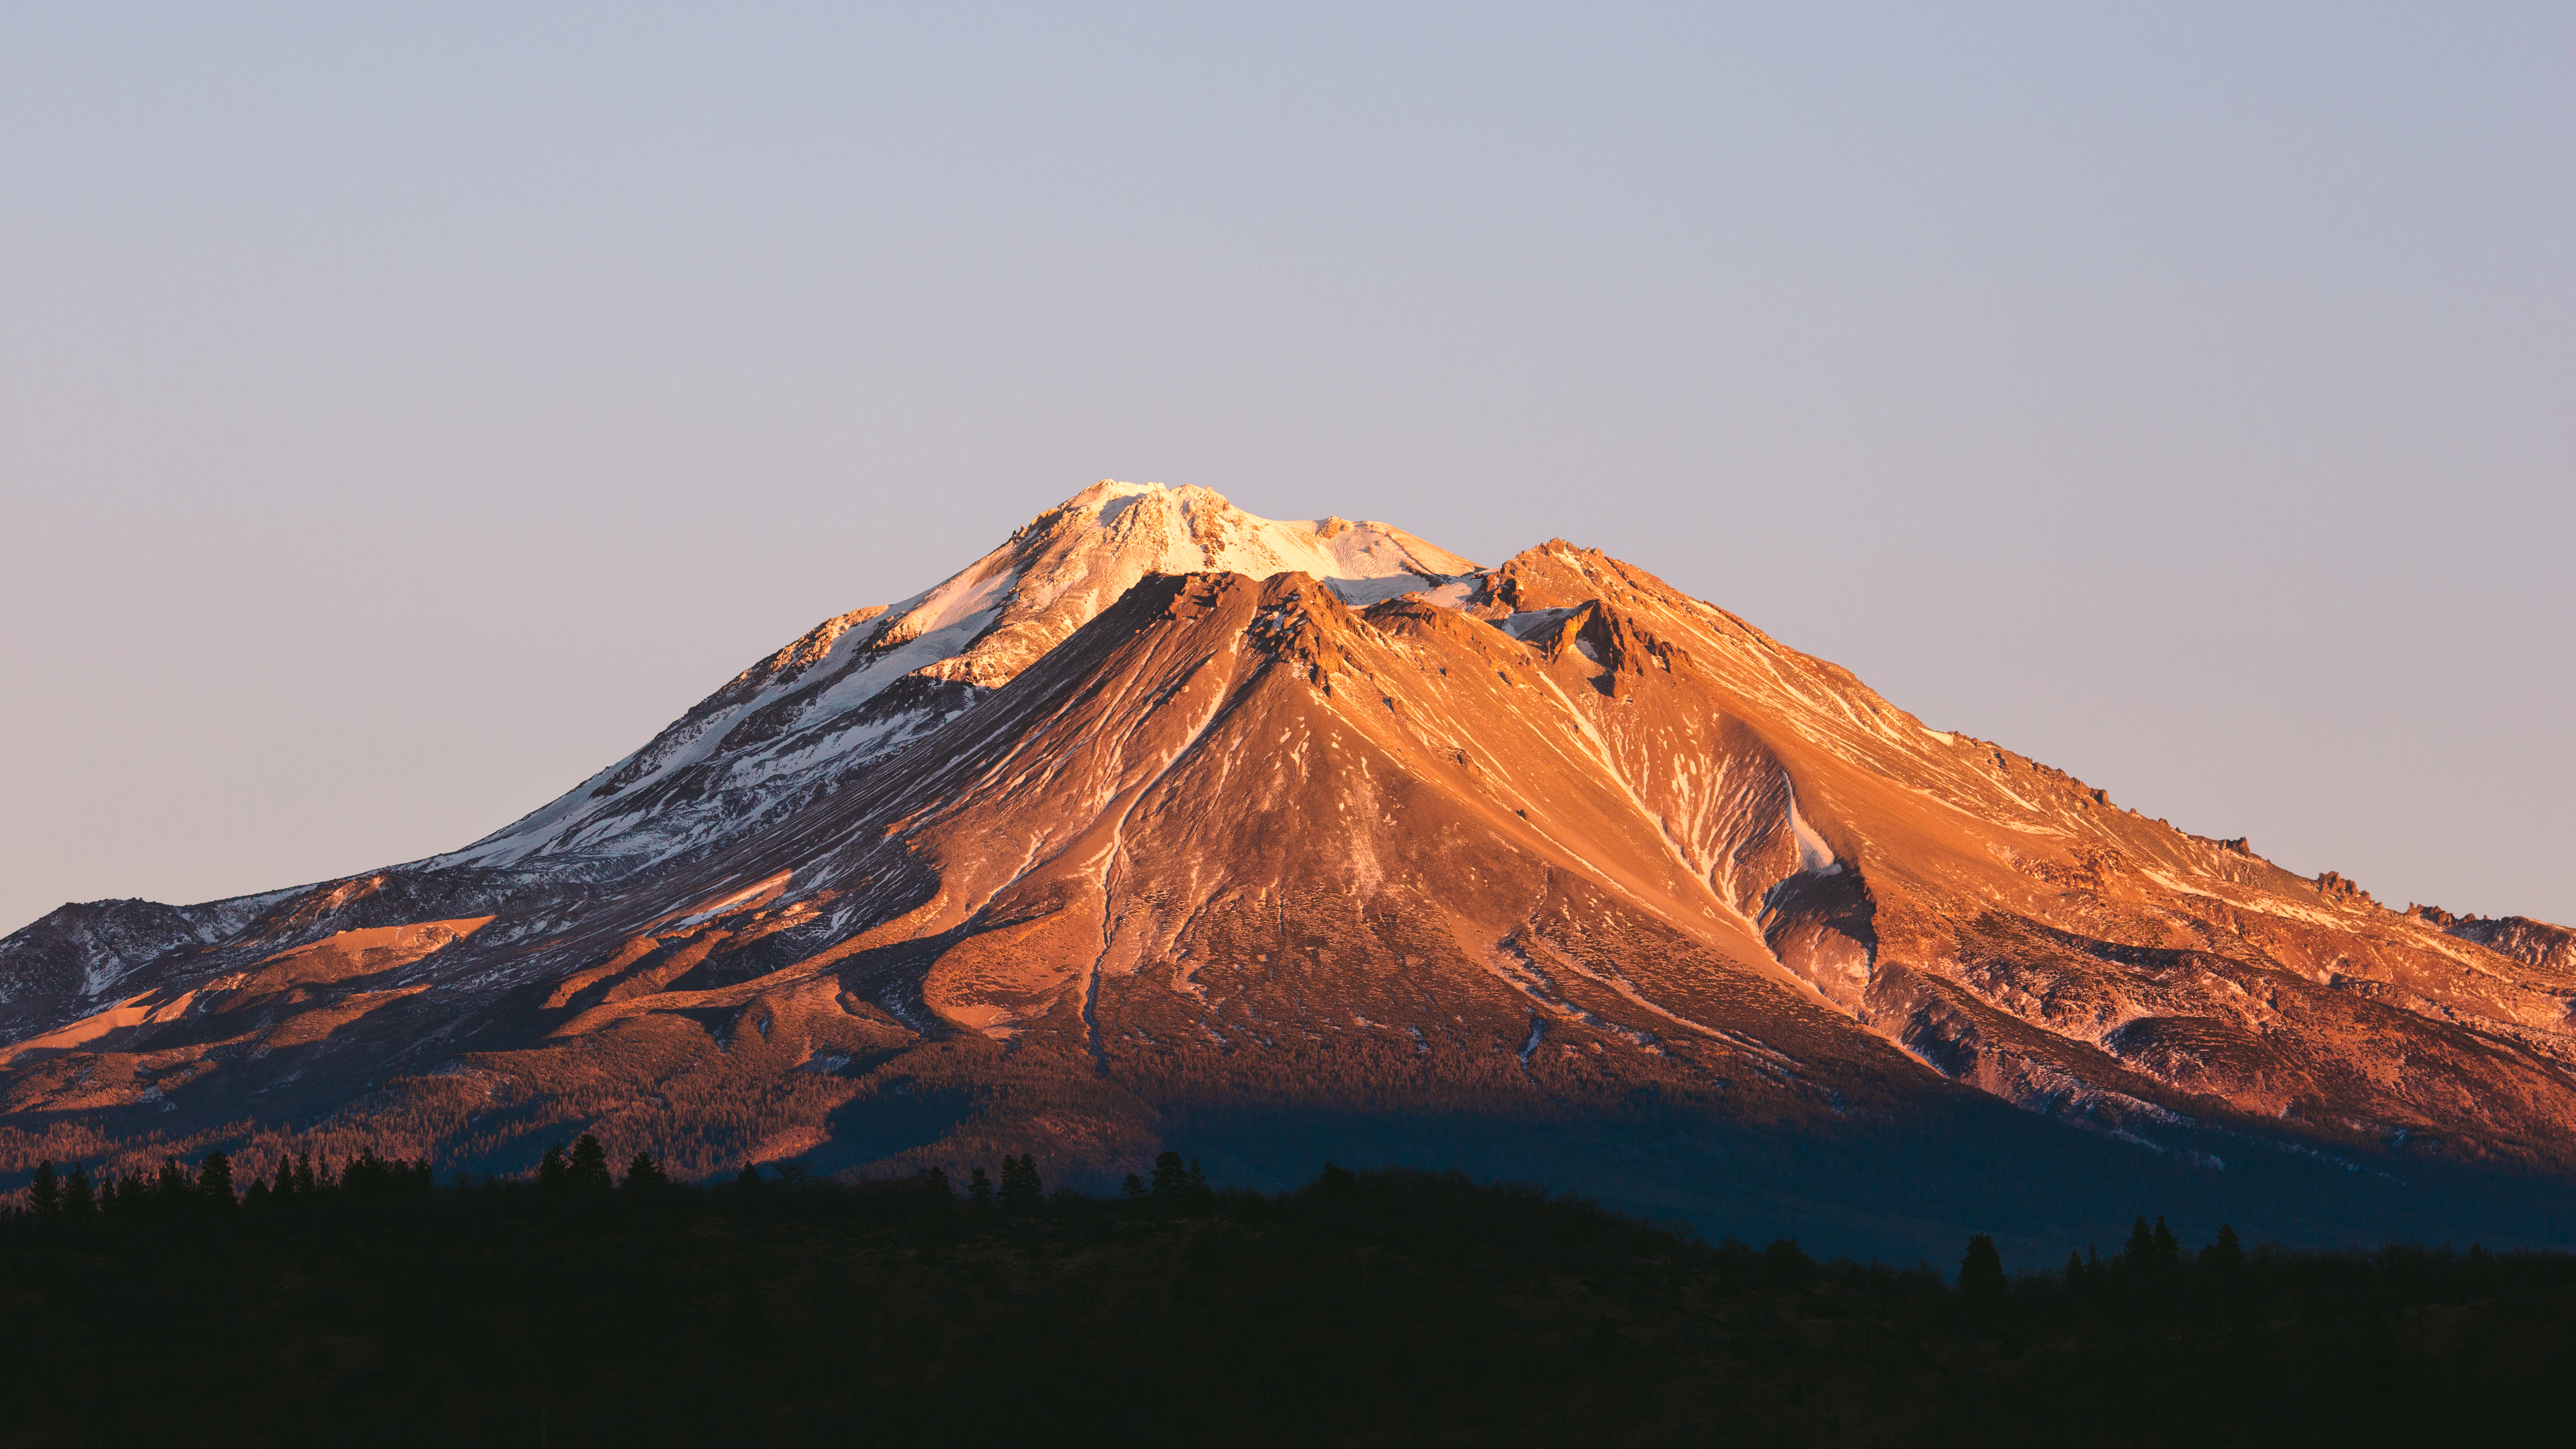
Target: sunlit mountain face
(1166,824)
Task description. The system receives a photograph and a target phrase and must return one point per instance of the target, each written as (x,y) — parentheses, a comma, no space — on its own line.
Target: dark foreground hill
(1381,1308)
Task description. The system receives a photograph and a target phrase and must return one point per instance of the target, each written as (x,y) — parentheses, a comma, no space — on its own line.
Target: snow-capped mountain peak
(1162,820)
(859,687)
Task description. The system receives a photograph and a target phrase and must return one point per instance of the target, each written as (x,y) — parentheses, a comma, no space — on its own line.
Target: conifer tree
(1171,1179)
(304,1179)
(2168,1247)
(1133,1189)
(368,1175)
(589,1170)
(1788,1264)
(2224,1254)
(748,1177)
(644,1174)
(45,1194)
(1981,1272)
(174,1188)
(1022,1190)
(2141,1249)
(554,1174)
(215,1180)
(2074,1268)
(285,1180)
(979,1190)
(80,1197)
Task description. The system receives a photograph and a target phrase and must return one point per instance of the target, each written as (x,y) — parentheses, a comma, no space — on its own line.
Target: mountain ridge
(1087,847)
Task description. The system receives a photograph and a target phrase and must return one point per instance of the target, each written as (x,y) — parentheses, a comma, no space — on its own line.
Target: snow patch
(1529,623)
(1451,595)
(1814,856)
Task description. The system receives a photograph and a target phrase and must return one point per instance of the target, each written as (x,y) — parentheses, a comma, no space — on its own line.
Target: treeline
(580,1169)
(591,1306)
(210,1187)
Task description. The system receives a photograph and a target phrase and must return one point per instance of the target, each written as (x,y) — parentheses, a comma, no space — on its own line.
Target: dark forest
(591,1306)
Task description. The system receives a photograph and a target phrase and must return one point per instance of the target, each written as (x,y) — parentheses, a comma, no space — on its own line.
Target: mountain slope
(861,686)
(1142,827)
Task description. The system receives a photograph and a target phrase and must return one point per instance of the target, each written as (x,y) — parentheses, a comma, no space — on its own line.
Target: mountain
(1163,823)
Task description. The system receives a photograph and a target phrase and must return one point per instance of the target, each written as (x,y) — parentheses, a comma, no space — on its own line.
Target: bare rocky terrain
(1164,824)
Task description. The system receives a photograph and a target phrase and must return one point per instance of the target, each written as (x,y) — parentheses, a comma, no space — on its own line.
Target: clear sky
(405,411)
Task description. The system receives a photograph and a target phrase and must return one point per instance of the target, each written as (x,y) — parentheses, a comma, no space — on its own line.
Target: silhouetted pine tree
(285,1180)
(1787,1264)
(1022,1191)
(1981,1272)
(589,1171)
(2168,1247)
(368,1175)
(45,1194)
(748,1177)
(174,1189)
(2141,1248)
(1133,1189)
(979,1190)
(554,1174)
(80,1198)
(215,1180)
(2224,1254)
(305,1182)
(1171,1180)
(644,1174)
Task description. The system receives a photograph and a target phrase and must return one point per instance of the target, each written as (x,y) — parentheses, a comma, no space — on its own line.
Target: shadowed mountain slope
(1164,823)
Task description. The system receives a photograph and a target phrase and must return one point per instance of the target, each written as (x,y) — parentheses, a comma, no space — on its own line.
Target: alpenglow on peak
(862,685)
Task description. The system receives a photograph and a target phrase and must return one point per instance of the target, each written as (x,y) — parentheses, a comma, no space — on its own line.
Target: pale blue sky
(403,412)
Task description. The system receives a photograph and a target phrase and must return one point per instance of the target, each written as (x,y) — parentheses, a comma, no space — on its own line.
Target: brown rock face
(2536,944)
(1192,854)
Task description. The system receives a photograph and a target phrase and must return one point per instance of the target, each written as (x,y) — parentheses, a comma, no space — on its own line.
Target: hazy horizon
(404,415)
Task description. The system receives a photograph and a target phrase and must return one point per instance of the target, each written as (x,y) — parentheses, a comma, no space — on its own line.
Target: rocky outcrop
(2533,943)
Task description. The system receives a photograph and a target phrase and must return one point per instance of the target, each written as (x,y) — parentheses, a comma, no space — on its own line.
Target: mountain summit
(862,686)
(1166,823)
